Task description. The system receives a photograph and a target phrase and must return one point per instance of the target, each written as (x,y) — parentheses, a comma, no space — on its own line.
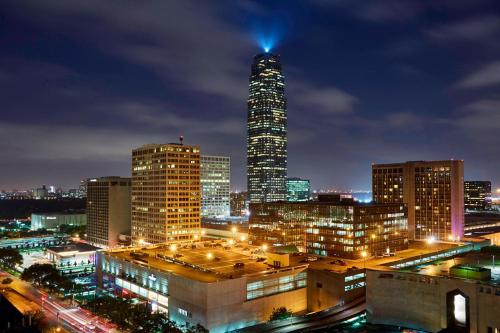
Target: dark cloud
(84,82)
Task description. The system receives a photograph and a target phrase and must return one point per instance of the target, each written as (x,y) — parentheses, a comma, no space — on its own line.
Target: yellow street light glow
(234,229)
(196,237)
(373,236)
(231,241)
(264,247)
(363,254)
(242,238)
(431,240)
(173,247)
(203,232)
(210,255)
(141,241)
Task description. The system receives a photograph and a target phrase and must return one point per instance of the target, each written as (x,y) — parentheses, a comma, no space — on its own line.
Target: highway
(71,318)
(313,321)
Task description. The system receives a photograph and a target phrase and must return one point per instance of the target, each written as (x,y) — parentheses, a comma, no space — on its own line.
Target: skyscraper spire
(267,129)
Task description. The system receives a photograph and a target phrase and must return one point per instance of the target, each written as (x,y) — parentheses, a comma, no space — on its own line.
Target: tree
(47,276)
(7,280)
(280,313)
(10,257)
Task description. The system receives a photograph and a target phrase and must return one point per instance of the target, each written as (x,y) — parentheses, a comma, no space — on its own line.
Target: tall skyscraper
(267,129)
(433,190)
(215,182)
(165,193)
(108,210)
(477,195)
(297,189)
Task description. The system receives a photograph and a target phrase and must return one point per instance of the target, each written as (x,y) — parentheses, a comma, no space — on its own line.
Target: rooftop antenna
(181,138)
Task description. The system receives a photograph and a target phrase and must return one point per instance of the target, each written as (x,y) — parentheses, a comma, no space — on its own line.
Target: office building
(41,192)
(239,203)
(477,195)
(53,221)
(108,210)
(297,189)
(215,183)
(433,191)
(266,130)
(166,195)
(331,228)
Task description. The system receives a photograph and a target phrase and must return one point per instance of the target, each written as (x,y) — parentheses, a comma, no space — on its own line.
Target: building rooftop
(22,304)
(74,247)
(473,261)
(210,261)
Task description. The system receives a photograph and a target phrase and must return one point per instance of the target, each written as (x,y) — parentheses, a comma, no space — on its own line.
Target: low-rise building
(461,294)
(52,221)
(74,258)
(346,229)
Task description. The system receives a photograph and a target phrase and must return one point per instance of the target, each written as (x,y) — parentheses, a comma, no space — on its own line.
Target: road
(71,318)
(325,318)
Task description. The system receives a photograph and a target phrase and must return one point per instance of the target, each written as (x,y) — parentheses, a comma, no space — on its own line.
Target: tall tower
(165,193)
(267,128)
(108,210)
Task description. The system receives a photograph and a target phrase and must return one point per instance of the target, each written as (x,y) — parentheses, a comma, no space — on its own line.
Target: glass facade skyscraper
(267,129)
(298,189)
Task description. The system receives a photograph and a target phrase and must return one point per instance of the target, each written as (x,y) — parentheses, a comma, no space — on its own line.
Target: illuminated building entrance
(457,304)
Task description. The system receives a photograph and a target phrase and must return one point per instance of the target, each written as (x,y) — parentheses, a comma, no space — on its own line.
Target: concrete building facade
(166,198)
(53,221)
(108,210)
(432,303)
(433,191)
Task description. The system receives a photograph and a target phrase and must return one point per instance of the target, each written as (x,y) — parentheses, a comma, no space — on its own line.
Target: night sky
(82,83)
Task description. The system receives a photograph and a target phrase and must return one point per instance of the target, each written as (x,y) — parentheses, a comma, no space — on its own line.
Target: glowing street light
(431,240)
(242,238)
(231,241)
(364,255)
(209,255)
(196,237)
(173,247)
(234,230)
(264,247)
(141,241)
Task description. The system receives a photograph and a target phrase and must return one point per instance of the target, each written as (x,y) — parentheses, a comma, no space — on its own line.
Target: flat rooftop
(22,304)
(208,262)
(74,247)
(415,249)
(441,268)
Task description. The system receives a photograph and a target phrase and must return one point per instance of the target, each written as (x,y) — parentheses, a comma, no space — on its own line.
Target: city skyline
(408,97)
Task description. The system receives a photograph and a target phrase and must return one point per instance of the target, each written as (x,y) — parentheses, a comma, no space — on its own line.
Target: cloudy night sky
(82,83)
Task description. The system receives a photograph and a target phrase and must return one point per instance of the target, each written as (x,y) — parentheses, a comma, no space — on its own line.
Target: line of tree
(47,276)
(137,318)
(10,258)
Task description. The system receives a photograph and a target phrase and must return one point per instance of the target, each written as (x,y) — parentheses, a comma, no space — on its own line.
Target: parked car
(239,265)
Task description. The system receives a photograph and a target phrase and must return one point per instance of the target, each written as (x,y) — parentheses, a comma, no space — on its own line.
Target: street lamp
(196,237)
(210,255)
(173,247)
(264,247)
(231,242)
(242,238)
(363,255)
(234,230)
